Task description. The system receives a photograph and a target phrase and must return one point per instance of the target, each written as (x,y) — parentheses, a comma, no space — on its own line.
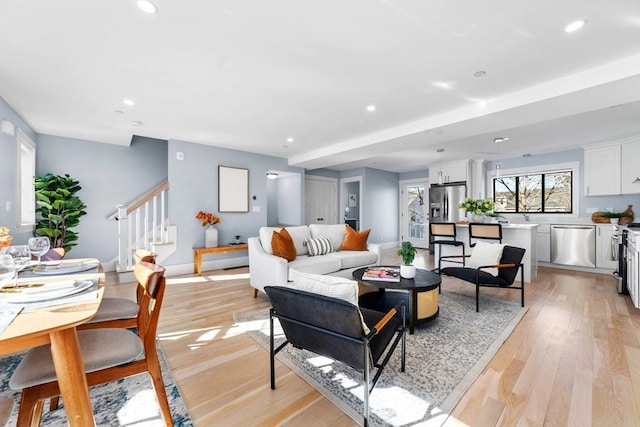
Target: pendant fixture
(498,163)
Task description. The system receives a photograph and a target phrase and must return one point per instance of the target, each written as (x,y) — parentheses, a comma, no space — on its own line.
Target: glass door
(414,213)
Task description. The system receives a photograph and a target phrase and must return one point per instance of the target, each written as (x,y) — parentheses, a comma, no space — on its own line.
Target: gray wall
(380,205)
(618,203)
(194,187)
(109,175)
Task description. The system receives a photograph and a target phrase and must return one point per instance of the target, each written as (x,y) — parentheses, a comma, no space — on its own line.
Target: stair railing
(141,224)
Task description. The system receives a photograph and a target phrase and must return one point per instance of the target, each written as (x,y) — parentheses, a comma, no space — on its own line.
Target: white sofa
(268,269)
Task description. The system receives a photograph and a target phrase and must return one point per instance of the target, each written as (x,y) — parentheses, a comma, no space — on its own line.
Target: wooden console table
(198,252)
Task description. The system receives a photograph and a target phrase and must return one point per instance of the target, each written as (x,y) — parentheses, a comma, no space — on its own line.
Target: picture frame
(233,189)
(353,200)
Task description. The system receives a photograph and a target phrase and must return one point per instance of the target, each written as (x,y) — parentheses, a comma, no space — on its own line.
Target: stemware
(38,246)
(21,257)
(7,269)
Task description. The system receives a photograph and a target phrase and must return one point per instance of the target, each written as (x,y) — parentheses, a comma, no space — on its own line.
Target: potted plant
(408,253)
(477,209)
(59,208)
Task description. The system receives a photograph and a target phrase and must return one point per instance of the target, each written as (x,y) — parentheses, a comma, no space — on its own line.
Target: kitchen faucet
(526,217)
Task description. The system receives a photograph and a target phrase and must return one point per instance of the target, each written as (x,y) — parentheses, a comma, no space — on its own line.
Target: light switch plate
(179,155)
(256,209)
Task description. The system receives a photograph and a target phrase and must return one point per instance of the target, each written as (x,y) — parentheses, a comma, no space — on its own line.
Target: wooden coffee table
(422,295)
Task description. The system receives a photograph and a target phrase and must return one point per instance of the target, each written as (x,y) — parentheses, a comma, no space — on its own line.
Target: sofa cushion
(321,246)
(333,232)
(352,259)
(282,245)
(355,240)
(316,265)
(298,234)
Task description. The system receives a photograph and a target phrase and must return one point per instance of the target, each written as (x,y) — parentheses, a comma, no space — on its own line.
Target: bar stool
(444,233)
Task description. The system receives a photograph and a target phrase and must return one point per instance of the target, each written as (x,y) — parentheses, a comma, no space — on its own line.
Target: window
(26,198)
(547,192)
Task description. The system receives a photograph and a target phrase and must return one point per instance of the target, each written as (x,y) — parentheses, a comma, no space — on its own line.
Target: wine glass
(38,246)
(21,257)
(7,269)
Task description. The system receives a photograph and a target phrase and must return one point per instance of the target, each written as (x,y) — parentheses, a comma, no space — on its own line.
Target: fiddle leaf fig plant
(59,208)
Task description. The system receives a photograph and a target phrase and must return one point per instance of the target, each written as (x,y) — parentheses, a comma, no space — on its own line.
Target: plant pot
(211,237)
(408,271)
(614,220)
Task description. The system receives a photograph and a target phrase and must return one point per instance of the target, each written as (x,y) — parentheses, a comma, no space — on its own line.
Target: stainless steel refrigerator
(443,203)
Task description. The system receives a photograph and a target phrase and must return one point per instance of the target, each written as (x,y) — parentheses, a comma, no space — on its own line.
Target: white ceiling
(247,75)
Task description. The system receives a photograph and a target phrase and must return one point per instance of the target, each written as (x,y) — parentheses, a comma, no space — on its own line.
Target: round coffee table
(422,295)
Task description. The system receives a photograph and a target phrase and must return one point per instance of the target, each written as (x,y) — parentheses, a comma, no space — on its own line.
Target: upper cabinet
(630,167)
(613,168)
(451,171)
(601,170)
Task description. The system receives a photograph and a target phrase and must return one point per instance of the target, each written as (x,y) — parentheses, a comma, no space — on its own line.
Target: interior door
(321,196)
(414,213)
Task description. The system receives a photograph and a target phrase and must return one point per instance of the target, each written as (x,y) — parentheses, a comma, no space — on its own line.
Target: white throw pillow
(486,254)
(330,286)
(321,246)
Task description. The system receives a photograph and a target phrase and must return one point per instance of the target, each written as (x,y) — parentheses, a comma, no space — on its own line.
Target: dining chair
(444,233)
(120,312)
(6,407)
(109,354)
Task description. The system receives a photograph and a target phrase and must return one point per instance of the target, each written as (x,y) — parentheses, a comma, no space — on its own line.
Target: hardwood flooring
(574,359)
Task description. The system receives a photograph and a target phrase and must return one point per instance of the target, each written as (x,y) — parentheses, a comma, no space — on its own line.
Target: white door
(414,214)
(321,196)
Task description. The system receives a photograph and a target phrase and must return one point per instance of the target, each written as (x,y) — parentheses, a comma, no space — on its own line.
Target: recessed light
(128,102)
(146,6)
(574,26)
(480,73)
(500,139)
(289,139)
(135,123)
(442,85)
(371,108)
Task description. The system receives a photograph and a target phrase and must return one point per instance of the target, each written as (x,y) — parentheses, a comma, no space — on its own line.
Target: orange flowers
(207,218)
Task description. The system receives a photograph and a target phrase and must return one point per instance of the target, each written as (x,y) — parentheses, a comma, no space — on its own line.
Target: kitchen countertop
(525,226)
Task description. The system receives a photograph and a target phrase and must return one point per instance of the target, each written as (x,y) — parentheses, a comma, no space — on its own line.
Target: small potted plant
(408,253)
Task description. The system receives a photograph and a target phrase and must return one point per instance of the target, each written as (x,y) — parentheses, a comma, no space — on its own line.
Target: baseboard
(219,264)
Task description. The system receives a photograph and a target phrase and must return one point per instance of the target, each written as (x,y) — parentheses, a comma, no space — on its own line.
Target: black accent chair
(333,328)
(444,233)
(483,231)
(510,263)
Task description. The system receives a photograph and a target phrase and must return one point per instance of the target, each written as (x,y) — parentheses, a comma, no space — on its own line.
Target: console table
(198,252)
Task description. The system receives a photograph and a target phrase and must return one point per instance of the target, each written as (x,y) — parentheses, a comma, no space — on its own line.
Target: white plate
(64,268)
(50,263)
(51,291)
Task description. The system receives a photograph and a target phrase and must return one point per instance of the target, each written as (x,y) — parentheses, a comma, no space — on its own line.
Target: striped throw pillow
(319,246)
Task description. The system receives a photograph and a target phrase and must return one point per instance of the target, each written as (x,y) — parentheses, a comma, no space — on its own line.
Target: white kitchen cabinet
(451,171)
(602,170)
(630,167)
(633,268)
(606,249)
(544,243)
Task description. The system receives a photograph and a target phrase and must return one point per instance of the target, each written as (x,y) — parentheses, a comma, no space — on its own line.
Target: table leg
(413,310)
(197,263)
(67,359)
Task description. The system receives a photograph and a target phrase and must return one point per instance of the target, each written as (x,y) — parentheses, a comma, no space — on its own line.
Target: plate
(51,291)
(64,268)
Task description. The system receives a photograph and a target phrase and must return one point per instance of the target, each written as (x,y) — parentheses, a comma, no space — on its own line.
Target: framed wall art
(233,189)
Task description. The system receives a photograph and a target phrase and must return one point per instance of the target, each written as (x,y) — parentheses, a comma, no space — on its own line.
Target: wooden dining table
(57,325)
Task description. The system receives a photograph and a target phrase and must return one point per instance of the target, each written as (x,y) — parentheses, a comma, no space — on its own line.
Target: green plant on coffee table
(407,252)
(59,208)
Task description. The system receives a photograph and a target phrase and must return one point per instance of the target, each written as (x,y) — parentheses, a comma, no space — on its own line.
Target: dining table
(51,318)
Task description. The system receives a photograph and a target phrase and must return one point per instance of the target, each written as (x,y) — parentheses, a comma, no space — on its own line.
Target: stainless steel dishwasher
(573,245)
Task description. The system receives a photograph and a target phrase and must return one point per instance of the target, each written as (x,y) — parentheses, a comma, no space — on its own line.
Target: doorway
(414,214)
(351,201)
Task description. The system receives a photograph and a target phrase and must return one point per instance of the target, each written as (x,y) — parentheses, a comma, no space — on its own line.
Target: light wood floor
(574,359)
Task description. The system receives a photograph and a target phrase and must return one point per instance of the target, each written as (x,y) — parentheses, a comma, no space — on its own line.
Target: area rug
(127,402)
(444,357)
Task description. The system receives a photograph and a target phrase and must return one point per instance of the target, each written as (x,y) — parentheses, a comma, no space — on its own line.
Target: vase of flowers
(208,220)
(476,209)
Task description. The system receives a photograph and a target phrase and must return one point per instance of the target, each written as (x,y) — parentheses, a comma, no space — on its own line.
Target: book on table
(383,274)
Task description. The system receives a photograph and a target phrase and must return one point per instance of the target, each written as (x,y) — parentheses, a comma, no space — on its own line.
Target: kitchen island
(520,235)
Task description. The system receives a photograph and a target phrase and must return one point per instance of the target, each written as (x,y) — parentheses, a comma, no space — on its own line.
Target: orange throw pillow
(282,245)
(355,240)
